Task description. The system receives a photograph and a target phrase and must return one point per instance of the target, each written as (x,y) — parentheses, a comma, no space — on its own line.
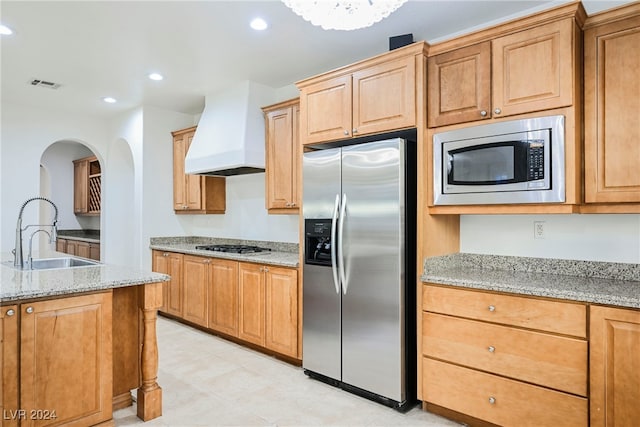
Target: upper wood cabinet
(614,367)
(373,96)
(530,70)
(87,188)
(282,157)
(194,194)
(612,107)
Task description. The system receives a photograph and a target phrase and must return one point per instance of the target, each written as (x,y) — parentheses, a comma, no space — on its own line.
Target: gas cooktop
(236,249)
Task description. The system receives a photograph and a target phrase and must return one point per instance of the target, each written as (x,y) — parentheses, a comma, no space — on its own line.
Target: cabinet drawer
(499,400)
(548,360)
(552,316)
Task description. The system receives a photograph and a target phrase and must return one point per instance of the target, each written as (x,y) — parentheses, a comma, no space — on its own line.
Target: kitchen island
(75,341)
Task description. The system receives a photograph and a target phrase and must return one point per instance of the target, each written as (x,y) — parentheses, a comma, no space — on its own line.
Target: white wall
(246,215)
(612,238)
(57,160)
(25,134)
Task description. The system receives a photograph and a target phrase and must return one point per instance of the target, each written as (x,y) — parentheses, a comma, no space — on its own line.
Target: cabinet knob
(266,269)
(165,254)
(346,132)
(261,269)
(492,400)
(11,312)
(355,130)
(492,308)
(293,204)
(497,111)
(483,113)
(491,349)
(29,310)
(288,204)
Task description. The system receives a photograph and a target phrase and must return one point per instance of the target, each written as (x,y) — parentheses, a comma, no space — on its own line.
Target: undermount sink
(62,262)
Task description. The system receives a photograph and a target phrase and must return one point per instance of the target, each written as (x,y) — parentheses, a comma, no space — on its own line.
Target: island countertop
(17,285)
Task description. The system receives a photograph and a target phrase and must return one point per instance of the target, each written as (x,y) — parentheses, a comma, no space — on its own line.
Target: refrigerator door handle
(334,259)
(343,217)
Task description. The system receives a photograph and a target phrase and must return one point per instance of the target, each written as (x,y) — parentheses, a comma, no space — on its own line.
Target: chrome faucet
(17,251)
(30,256)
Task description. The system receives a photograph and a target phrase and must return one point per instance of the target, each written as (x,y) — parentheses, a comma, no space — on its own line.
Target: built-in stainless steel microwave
(517,161)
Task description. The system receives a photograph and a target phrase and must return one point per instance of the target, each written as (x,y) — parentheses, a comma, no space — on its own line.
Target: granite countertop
(18,285)
(616,284)
(91,236)
(281,254)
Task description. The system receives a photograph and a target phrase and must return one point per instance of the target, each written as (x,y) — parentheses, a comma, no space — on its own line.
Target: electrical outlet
(538,229)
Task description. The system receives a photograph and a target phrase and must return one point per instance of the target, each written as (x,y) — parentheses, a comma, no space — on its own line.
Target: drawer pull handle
(491,349)
(492,308)
(492,400)
(10,312)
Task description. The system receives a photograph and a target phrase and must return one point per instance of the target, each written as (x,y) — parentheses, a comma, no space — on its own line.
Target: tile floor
(208,381)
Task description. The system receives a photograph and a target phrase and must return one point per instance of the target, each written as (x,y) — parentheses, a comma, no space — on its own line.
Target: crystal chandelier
(343,14)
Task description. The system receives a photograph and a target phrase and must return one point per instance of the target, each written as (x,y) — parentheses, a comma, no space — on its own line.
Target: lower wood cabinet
(503,359)
(79,248)
(614,366)
(223,296)
(65,361)
(256,303)
(195,289)
(170,263)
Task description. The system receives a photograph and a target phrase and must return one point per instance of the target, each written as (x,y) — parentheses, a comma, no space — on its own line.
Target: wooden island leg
(149,395)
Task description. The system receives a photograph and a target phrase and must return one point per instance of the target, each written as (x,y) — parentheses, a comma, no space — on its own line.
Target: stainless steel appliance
(359,269)
(518,161)
(236,249)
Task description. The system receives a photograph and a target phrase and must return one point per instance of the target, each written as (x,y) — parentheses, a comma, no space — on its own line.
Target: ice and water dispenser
(317,241)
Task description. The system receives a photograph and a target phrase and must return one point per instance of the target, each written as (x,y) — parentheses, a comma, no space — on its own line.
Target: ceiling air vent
(44,83)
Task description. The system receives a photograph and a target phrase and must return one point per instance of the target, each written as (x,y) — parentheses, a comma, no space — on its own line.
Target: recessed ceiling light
(5,31)
(258,24)
(156,76)
(109,100)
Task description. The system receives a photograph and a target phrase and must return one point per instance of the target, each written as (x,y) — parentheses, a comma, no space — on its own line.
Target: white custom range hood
(230,137)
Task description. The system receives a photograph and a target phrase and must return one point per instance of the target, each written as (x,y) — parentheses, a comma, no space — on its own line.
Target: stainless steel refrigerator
(359,269)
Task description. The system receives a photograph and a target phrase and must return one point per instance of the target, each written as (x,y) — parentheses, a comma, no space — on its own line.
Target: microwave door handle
(334,260)
(343,218)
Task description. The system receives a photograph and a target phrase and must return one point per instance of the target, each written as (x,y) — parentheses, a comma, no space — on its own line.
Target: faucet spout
(30,255)
(17,251)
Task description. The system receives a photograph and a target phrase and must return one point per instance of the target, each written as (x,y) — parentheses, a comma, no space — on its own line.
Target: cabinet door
(459,85)
(223,296)
(179,178)
(66,360)
(282,310)
(72,247)
(193,182)
(171,264)
(83,249)
(80,187)
(280,152)
(195,285)
(326,108)
(61,245)
(384,97)
(251,288)
(614,366)
(612,109)
(9,366)
(94,251)
(533,70)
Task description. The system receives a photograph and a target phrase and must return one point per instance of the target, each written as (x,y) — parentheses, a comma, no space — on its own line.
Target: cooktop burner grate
(236,249)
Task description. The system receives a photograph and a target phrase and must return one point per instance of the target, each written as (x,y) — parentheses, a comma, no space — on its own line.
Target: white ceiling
(106,48)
